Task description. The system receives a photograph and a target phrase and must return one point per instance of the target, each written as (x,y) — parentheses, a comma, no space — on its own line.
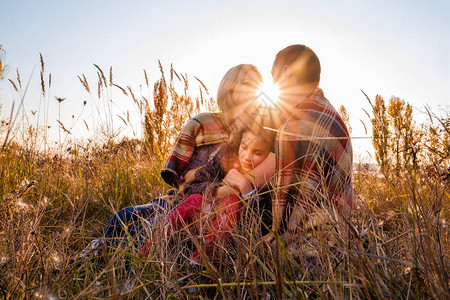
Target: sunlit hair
(257,128)
(234,77)
(302,62)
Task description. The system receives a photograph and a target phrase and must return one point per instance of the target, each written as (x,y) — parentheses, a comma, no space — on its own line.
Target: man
(313,151)
(312,164)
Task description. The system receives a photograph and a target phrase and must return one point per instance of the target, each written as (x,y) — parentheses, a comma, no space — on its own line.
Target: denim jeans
(134,222)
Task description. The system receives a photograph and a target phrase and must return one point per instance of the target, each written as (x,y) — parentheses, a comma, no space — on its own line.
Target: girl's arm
(256,178)
(259,177)
(238,181)
(225,191)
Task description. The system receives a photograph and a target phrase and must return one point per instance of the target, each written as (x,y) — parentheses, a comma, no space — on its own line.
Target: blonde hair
(230,81)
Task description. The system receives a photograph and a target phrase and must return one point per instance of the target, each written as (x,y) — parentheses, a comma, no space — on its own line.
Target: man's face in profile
(282,77)
(276,72)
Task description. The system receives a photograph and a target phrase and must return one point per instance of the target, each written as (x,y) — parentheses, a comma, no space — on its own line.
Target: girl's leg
(132,220)
(228,215)
(185,213)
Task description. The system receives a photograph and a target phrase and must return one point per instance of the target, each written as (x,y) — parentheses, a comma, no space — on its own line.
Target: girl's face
(252,151)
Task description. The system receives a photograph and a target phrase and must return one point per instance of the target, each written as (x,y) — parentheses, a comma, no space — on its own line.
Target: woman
(197,143)
(205,196)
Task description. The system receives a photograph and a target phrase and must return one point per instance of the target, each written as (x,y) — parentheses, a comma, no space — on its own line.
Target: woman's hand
(238,180)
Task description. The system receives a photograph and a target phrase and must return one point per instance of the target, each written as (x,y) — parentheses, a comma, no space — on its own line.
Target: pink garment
(190,209)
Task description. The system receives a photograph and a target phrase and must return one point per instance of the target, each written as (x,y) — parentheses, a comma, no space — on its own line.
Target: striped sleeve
(202,130)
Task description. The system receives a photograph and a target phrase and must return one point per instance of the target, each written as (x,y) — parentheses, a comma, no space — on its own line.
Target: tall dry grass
(56,200)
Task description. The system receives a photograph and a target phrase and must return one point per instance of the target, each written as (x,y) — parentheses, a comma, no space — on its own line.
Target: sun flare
(268,93)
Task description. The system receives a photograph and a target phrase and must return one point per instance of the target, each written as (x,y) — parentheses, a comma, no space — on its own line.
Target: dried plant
(55,203)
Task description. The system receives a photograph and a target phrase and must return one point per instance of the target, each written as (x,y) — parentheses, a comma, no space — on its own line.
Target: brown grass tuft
(42,84)
(14,85)
(54,203)
(84,83)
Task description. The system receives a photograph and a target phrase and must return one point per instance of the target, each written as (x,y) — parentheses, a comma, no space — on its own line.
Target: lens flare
(268,93)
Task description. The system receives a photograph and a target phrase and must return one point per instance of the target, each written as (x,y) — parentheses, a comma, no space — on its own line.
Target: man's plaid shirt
(311,170)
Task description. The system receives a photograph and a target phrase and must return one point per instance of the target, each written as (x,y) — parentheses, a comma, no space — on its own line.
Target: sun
(268,93)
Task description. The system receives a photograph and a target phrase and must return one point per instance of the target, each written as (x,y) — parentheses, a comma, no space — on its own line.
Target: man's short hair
(302,61)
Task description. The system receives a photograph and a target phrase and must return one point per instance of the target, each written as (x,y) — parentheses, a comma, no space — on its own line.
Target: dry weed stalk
(396,246)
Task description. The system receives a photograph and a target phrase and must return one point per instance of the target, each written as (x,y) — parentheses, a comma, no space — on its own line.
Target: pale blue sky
(399,48)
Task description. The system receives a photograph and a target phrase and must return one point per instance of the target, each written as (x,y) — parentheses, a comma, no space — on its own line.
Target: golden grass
(54,202)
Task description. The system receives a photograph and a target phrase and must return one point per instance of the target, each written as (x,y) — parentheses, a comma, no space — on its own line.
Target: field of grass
(54,201)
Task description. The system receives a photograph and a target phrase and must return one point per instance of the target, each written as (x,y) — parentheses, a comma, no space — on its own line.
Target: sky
(392,48)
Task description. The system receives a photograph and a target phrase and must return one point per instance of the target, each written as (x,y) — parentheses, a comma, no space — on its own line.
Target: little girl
(206,191)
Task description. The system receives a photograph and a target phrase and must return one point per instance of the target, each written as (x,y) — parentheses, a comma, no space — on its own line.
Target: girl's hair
(229,152)
(257,127)
(230,81)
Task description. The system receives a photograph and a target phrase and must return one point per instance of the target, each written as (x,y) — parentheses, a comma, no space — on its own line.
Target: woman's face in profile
(245,94)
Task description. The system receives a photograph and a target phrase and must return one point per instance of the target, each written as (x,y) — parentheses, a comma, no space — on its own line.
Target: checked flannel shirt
(311,169)
(198,138)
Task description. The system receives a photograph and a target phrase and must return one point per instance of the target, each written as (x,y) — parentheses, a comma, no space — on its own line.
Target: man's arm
(261,175)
